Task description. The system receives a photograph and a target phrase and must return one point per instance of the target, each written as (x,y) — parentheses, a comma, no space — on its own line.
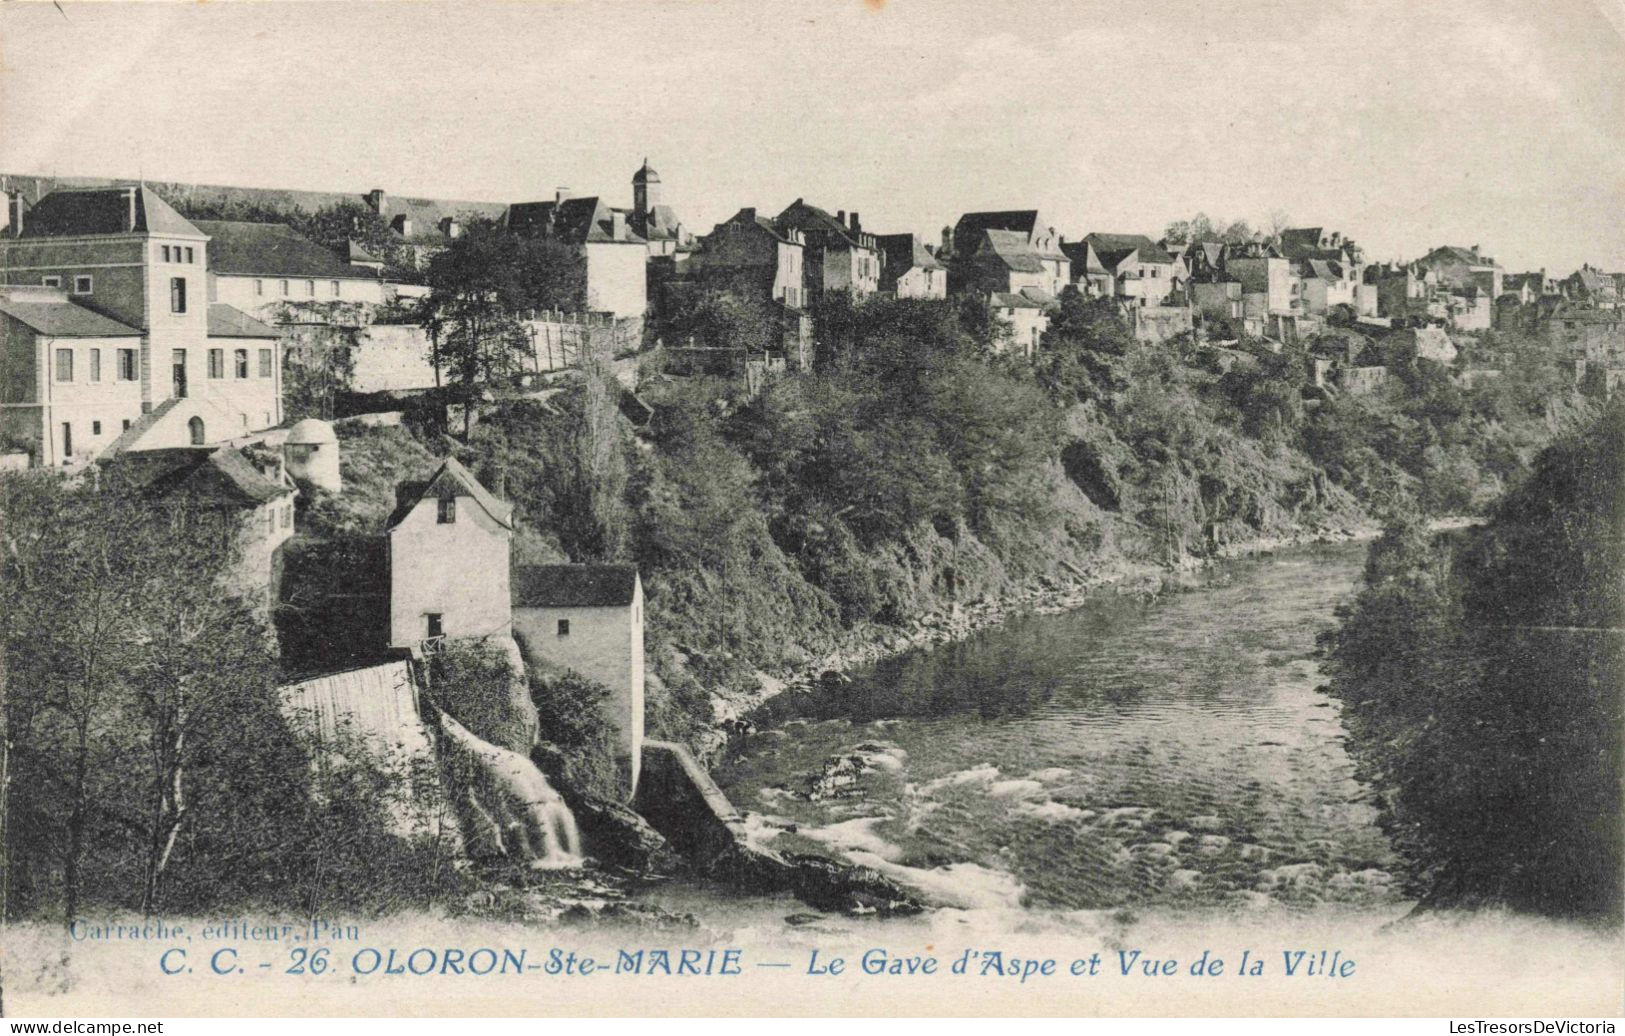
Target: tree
(480,290)
(121,640)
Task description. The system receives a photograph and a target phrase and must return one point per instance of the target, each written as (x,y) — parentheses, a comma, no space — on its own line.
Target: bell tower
(645,191)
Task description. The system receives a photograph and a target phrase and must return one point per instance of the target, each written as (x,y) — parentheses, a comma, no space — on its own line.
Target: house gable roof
(905,252)
(574,586)
(218,475)
(1113,248)
(78,212)
(272,250)
(449,481)
(818,224)
(226,321)
(574,221)
(63,318)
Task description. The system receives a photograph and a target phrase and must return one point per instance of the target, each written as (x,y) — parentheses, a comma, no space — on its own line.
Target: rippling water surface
(1167,751)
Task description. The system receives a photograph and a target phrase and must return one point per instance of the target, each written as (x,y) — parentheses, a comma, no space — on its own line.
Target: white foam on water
(1014,789)
(982,773)
(1049,810)
(1050,773)
(965,885)
(857,835)
(547,827)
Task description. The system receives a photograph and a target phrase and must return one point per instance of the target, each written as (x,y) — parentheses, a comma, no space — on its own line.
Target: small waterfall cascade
(519,810)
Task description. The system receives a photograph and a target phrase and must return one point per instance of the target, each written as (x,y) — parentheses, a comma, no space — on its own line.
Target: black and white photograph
(823,508)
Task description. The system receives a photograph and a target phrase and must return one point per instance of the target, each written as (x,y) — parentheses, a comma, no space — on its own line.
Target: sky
(1403,123)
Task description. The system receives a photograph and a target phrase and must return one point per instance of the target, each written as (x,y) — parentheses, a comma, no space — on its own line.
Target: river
(1132,752)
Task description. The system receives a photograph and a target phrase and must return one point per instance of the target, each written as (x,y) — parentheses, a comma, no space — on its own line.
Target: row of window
(127,367)
(95,432)
(177,253)
(217,363)
(287,288)
(283,513)
(82,283)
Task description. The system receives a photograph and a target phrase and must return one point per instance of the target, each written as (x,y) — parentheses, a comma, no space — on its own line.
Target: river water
(1134,752)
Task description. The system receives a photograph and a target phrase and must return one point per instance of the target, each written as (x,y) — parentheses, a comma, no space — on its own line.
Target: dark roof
(574,586)
(1021,221)
(1014,300)
(1011,248)
(63,318)
(271,250)
(574,221)
(645,174)
(449,481)
(1113,247)
(227,321)
(747,217)
(660,224)
(426,213)
(819,226)
(215,474)
(905,252)
(104,210)
(1456,253)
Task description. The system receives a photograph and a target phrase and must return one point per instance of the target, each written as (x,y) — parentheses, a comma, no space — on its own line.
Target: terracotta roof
(219,475)
(230,322)
(449,481)
(104,210)
(63,319)
(271,250)
(574,586)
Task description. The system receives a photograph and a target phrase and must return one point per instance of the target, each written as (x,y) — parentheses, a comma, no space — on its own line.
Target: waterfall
(525,815)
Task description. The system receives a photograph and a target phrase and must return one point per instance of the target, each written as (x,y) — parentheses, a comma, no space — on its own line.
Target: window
(51,282)
(448,511)
(188,255)
(166,253)
(284,289)
(95,365)
(259,287)
(126,365)
(436,627)
(64,365)
(334,285)
(310,289)
(287,516)
(194,428)
(217,363)
(177,294)
(564,627)
(95,428)
(270,519)
(242,363)
(82,284)
(126,424)
(265,363)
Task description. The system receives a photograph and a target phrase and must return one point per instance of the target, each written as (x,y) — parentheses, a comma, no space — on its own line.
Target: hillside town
(129,326)
(218,351)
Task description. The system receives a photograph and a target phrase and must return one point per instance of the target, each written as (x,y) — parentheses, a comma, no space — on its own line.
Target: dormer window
(447,514)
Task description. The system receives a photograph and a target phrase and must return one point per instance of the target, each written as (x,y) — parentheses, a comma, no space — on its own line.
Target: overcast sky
(1403,123)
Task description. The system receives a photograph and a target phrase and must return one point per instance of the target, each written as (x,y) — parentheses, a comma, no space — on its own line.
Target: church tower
(645,191)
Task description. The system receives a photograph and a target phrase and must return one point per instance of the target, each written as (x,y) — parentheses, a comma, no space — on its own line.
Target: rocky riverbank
(1118,575)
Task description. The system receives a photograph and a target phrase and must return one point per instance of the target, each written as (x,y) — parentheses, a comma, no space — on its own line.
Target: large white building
(108,338)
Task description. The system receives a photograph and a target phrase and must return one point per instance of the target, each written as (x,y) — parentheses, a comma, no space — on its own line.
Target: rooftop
(127,209)
(230,322)
(574,586)
(449,481)
(217,474)
(60,317)
(272,250)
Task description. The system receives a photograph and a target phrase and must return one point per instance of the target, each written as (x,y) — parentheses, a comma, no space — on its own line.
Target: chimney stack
(947,241)
(560,194)
(378,200)
(5,215)
(617,224)
(840,216)
(857,227)
(129,194)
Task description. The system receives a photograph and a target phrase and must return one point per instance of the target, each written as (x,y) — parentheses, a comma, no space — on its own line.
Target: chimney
(947,241)
(560,195)
(5,216)
(129,194)
(450,227)
(748,215)
(617,224)
(840,216)
(856,226)
(378,200)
